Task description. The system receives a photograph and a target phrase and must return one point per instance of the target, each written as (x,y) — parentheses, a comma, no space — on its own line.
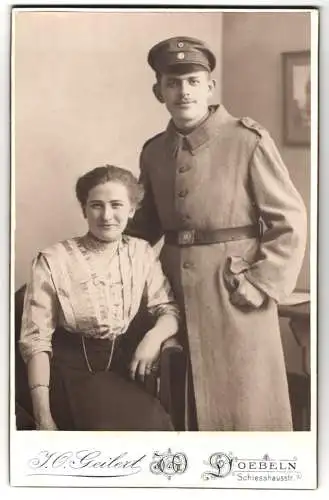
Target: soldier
(234,230)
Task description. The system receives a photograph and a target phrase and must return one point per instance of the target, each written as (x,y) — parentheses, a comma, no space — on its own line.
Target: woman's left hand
(145,356)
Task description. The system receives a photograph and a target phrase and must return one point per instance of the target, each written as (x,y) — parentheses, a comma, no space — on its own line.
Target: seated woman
(83,294)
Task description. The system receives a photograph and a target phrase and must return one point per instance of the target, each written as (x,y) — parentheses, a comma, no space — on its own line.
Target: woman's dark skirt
(102,400)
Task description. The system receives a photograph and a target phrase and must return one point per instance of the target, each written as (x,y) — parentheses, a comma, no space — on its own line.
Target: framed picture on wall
(296,98)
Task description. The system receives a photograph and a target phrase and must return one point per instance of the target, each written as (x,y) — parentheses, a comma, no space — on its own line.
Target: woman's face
(107,210)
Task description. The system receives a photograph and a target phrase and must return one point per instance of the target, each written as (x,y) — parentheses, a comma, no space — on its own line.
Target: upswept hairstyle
(109,173)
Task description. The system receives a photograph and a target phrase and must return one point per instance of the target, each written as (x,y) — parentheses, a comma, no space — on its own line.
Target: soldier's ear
(211,85)
(157,92)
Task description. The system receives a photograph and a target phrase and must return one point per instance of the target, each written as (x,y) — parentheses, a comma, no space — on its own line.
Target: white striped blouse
(92,288)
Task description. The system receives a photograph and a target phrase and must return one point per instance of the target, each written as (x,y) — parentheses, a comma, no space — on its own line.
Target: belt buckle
(186,237)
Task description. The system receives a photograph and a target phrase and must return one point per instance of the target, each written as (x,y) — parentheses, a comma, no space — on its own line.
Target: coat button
(183,193)
(187,265)
(184,168)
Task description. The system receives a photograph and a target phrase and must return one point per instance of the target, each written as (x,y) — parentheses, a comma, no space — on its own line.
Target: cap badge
(180,55)
(180,45)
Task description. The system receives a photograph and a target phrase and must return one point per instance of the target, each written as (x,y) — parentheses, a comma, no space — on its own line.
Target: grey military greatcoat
(228,173)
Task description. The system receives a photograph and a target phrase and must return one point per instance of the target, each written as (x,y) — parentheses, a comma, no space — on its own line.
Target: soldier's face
(186,96)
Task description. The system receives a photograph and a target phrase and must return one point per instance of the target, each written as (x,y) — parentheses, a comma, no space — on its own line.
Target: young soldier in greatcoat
(234,231)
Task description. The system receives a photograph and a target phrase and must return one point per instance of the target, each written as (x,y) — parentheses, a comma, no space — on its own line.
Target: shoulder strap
(252,125)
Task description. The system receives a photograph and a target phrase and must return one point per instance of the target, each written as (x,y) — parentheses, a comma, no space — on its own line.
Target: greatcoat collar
(202,134)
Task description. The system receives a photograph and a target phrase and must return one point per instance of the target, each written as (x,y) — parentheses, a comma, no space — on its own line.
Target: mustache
(184,101)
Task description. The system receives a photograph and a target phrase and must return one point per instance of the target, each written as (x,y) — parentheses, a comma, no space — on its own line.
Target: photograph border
(218,8)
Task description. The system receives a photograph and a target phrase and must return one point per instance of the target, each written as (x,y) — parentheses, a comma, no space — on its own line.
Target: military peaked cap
(180,50)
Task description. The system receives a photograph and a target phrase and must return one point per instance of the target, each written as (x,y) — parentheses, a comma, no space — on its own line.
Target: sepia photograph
(164,210)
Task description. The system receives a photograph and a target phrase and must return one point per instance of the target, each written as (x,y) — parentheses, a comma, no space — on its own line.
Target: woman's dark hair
(109,173)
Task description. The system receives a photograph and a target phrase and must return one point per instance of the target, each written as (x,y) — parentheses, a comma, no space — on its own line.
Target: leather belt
(187,237)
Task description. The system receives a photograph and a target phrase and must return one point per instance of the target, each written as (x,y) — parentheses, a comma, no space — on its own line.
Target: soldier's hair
(109,173)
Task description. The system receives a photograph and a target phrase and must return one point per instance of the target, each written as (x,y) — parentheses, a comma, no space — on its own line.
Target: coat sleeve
(282,245)
(39,312)
(146,223)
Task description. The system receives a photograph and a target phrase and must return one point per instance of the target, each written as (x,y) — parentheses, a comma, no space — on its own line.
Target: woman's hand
(46,423)
(146,355)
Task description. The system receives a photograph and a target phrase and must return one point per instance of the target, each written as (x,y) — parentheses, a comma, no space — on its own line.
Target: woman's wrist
(37,386)
(159,334)
(167,326)
(41,411)
(40,401)
(44,416)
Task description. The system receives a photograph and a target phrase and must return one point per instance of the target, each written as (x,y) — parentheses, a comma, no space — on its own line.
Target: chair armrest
(172,345)
(171,353)
(168,382)
(172,380)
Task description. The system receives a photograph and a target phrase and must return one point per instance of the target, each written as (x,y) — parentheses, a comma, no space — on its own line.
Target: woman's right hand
(46,423)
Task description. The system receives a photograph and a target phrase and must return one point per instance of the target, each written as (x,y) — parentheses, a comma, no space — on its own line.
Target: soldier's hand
(246,294)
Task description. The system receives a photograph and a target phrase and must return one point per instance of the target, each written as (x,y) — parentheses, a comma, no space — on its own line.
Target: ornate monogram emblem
(221,464)
(169,464)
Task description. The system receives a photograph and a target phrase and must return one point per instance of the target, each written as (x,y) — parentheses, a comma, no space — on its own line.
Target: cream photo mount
(237,460)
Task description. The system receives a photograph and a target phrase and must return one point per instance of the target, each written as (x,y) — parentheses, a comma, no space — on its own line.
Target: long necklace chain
(116,251)
(90,369)
(86,356)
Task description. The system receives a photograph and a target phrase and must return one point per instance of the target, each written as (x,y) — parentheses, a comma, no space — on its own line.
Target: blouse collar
(95,245)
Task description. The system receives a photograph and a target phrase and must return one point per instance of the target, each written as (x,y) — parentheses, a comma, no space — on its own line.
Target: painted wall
(82,98)
(252,82)
(252,86)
